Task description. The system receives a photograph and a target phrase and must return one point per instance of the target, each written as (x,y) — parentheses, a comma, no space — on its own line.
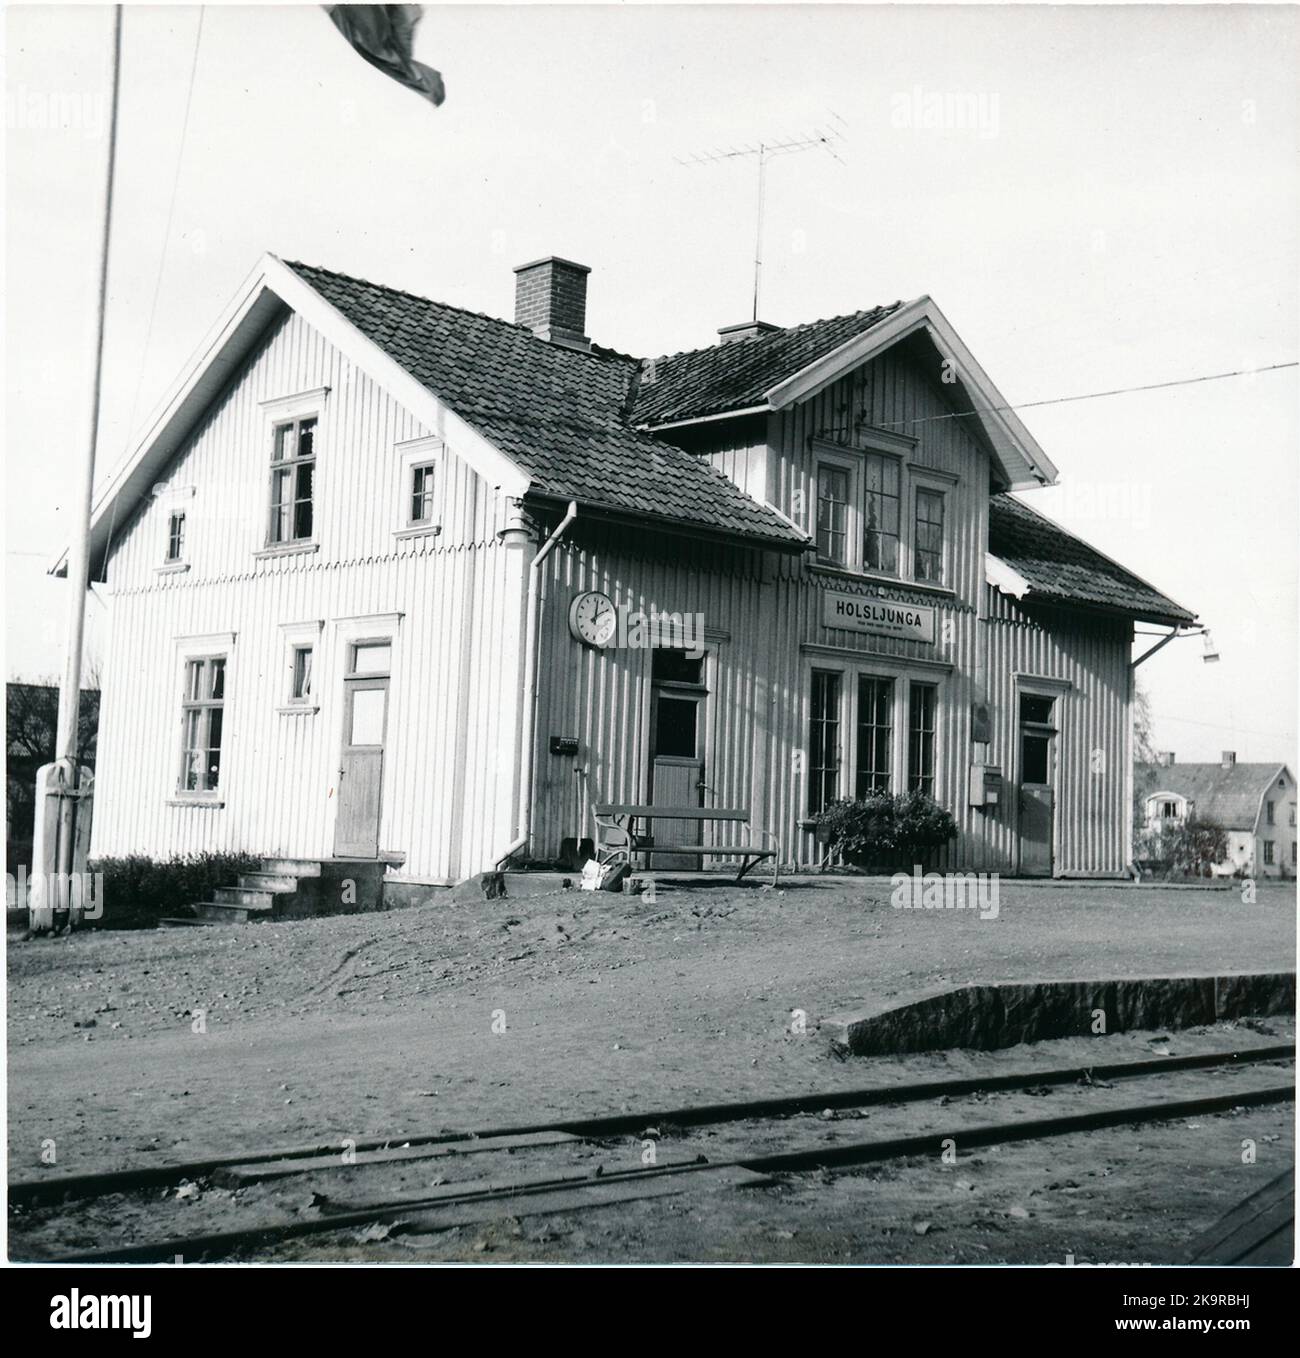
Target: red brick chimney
(551,299)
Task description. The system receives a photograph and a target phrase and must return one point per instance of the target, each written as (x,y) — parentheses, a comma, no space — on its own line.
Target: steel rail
(33,1192)
(224,1243)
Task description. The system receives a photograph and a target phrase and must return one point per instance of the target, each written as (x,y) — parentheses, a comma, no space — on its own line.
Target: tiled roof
(1065,569)
(559,413)
(1230,796)
(736,376)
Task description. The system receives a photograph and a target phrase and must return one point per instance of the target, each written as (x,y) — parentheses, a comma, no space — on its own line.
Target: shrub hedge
(137,891)
(884,832)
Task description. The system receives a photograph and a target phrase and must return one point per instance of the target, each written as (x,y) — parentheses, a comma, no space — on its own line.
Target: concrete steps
(220,912)
(293,867)
(292,888)
(242,895)
(268,881)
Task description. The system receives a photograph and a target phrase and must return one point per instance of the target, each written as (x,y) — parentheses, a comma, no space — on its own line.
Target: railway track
(561,1183)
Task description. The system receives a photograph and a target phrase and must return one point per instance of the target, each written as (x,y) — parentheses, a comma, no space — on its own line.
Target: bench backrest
(670,812)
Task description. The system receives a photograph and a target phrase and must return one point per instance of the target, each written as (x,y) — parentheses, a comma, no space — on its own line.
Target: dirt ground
(131,1049)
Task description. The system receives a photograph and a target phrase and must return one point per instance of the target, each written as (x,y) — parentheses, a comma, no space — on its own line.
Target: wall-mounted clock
(592,618)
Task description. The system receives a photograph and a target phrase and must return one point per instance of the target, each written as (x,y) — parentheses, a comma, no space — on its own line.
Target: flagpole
(67,743)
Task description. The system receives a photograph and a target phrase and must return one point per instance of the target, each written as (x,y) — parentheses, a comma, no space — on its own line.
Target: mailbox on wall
(985,784)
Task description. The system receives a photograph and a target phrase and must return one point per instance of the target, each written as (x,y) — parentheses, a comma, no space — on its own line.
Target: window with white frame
(892,724)
(203,708)
(175,537)
(833,488)
(420,505)
(875,734)
(876,512)
(824,741)
(293,481)
(927,536)
(923,703)
(882,501)
(299,686)
(422,488)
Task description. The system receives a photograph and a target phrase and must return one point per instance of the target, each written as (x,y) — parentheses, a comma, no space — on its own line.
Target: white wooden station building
(382,571)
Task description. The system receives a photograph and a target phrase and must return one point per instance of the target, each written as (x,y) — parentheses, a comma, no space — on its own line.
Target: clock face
(592,618)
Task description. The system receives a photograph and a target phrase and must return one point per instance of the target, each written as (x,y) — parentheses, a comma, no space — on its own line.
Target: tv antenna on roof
(820,138)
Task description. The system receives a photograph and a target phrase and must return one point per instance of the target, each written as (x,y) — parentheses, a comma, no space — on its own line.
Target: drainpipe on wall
(530,689)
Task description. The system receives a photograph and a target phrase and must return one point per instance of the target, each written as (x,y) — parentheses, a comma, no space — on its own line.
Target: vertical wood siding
(764,617)
(447,797)
(451,753)
(1091,653)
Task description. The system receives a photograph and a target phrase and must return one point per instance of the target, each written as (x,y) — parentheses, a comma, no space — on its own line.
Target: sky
(1097,198)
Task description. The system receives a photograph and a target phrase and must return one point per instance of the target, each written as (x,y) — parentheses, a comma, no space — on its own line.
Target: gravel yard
(518,1010)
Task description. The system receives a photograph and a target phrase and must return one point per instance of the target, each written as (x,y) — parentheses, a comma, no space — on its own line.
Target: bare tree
(31,726)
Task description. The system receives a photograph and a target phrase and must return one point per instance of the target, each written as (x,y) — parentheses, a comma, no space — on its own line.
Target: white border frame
(185,649)
(430,450)
(298,635)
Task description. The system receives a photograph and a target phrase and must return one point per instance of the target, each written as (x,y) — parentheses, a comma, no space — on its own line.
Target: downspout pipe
(530,685)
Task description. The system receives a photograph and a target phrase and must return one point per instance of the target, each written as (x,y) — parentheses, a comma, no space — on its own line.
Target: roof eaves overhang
(1041,596)
(677,527)
(688,420)
(1185,617)
(1022,462)
(210,367)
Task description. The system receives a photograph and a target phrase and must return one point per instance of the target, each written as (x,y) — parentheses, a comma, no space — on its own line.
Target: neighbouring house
(1254,803)
(383,573)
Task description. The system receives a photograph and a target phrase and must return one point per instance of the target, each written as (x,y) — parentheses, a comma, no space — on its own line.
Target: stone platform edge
(989,1016)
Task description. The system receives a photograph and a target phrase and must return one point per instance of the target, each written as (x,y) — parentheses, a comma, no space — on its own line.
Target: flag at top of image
(385,35)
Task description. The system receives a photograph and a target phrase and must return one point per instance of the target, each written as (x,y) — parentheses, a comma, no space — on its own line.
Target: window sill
(197,799)
(872,578)
(172,568)
(286,549)
(298,710)
(418,530)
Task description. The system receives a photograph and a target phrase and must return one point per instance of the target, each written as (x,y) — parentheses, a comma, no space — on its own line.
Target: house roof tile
(568,417)
(560,413)
(1229,796)
(1064,569)
(737,375)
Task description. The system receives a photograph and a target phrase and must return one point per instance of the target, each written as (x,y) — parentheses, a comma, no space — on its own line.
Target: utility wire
(162,263)
(1094,395)
(167,232)
(1220,726)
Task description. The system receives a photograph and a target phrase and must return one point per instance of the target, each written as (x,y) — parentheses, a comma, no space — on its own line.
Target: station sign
(884,617)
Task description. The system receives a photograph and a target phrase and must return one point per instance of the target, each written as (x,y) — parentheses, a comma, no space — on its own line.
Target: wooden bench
(617,835)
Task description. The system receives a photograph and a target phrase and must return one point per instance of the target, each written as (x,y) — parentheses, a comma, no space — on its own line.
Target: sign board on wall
(884,617)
